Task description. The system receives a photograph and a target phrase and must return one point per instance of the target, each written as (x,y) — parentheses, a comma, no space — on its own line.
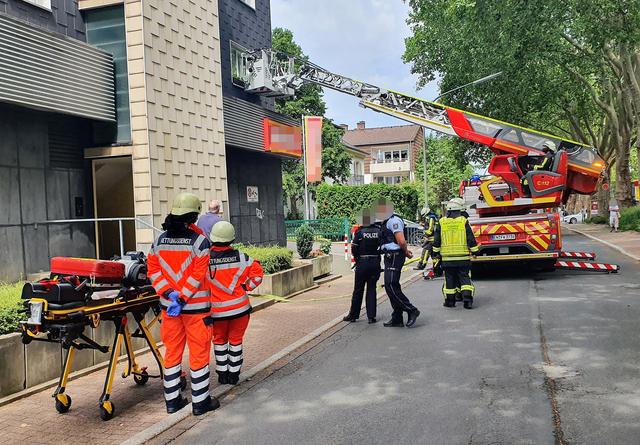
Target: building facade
(391,151)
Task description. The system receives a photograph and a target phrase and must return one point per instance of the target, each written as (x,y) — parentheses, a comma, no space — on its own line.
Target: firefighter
(454,241)
(430,223)
(395,250)
(366,253)
(178,262)
(231,274)
(548,147)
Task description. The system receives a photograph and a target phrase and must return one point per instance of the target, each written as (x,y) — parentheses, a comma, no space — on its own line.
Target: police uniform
(366,253)
(394,258)
(453,241)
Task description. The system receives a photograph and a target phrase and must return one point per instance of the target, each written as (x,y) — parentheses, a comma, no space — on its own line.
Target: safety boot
(176,405)
(209,404)
(468,302)
(223,377)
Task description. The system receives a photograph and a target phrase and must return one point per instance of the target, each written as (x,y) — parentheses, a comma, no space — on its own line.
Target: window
(251,3)
(105,29)
(238,65)
(386,156)
(404,155)
(44,4)
(390,180)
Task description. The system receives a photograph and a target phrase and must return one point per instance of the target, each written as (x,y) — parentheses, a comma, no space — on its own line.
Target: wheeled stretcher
(60,310)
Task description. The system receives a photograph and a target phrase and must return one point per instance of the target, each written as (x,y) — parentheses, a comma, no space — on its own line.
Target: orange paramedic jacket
(231,274)
(180,263)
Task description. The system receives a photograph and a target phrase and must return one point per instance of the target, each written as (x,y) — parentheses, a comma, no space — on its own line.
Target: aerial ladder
(506,228)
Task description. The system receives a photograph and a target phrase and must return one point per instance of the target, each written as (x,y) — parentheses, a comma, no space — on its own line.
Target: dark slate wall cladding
(264,171)
(31,190)
(249,28)
(64,17)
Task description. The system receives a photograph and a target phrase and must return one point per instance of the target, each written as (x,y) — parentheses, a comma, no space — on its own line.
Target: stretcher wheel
(63,403)
(107,410)
(183,382)
(142,378)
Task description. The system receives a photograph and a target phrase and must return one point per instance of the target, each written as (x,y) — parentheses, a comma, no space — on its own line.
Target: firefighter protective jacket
(366,242)
(431,226)
(231,274)
(178,261)
(454,239)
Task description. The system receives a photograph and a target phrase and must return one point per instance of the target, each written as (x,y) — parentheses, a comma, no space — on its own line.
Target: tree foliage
(341,201)
(570,67)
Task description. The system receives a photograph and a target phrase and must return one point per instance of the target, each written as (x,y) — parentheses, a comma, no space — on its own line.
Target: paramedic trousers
(227,346)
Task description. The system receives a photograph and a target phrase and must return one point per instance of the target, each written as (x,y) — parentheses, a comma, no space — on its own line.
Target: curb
(173,419)
(606,243)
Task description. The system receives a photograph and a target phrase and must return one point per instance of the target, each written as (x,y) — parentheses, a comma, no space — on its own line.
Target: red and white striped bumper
(576,265)
(589,256)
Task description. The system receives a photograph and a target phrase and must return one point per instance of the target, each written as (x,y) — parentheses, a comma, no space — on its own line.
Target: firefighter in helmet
(430,223)
(178,262)
(455,243)
(366,253)
(231,274)
(548,147)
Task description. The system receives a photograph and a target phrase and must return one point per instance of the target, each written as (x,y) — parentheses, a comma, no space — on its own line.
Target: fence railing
(97,220)
(333,229)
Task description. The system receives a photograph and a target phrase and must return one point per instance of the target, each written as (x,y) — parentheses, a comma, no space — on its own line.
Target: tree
(570,67)
(307,101)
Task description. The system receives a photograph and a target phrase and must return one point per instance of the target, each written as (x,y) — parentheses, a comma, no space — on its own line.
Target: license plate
(508,236)
(36,313)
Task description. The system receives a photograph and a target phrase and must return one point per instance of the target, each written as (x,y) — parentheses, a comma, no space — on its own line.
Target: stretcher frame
(66,326)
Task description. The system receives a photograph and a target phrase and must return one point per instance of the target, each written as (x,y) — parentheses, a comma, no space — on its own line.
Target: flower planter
(322,265)
(287,282)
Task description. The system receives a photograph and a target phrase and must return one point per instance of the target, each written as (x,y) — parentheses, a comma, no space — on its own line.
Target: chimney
(361,125)
(345,127)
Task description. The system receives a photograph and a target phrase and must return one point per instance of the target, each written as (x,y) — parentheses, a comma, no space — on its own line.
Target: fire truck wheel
(142,378)
(107,410)
(63,403)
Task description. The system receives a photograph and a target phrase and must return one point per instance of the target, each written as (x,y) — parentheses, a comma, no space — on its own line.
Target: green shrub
(629,218)
(272,258)
(597,220)
(325,246)
(343,201)
(304,240)
(237,246)
(10,304)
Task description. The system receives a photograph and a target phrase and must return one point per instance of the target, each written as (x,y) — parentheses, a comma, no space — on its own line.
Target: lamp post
(475,82)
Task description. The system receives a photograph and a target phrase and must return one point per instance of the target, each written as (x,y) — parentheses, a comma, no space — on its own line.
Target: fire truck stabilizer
(575,265)
(586,256)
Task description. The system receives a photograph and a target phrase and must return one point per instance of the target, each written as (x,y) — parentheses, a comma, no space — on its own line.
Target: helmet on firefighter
(456,204)
(186,203)
(223,233)
(548,146)
(424,211)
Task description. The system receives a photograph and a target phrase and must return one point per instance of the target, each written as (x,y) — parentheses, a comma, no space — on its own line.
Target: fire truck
(509,223)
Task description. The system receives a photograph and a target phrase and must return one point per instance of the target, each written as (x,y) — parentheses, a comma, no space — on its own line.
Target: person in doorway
(548,148)
(395,250)
(210,219)
(366,253)
(454,243)
(231,275)
(178,262)
(430,223)
(614,215)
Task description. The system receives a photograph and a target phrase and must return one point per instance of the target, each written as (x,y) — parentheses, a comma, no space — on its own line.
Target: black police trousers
(393,263)
(367,273)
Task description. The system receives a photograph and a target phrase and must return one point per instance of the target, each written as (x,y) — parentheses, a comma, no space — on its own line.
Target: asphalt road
(543,358)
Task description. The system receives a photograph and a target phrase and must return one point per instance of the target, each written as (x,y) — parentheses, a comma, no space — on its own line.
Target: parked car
(413,233)
(573,219)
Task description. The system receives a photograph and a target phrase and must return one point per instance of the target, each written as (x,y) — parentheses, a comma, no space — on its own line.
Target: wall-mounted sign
(252,193)
(594,207)
(282,139)
(260,213)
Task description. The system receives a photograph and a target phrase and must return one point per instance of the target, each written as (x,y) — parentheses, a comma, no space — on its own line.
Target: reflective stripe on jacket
(454,239)
(178,261)
(430,230)
(231,274)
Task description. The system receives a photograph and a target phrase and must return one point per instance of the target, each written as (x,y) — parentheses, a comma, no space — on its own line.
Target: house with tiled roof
(391,151)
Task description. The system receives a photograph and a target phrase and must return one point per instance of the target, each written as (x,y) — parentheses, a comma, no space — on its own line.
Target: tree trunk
(623,180)
(293,206)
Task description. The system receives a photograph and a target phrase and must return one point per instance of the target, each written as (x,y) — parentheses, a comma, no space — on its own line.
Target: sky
(361,39)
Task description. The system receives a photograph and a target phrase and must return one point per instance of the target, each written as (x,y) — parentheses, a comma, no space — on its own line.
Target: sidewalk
(273,328)
(626,242)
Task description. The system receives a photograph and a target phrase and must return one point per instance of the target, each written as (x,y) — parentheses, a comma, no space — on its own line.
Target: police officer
(454,240)
(430,223)
(548,147)
(395,250)
(178,262)
(366,253)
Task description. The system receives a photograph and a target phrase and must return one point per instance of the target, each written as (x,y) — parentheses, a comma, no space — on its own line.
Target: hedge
(273,259)
(629,218)
(597,220)
(343,201)
(10,304)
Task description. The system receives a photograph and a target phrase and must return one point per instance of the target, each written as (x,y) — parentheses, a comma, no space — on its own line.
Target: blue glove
(174,308)
(173,296)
